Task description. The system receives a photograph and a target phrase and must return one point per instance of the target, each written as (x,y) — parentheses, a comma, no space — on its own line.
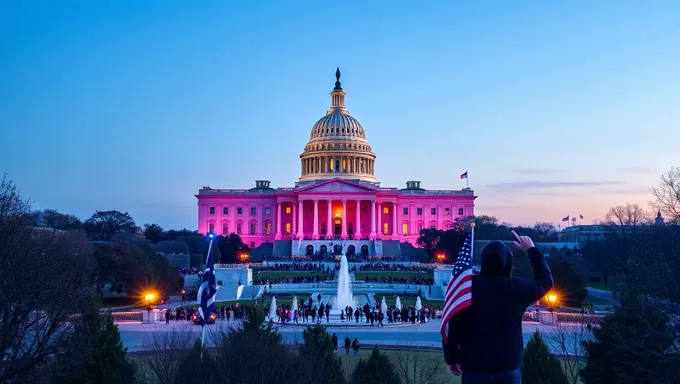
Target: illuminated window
(267,211)
(460,211)
(405,211)
(239,228)
(404,228)
(253,228)
(239,210)
(211,227)
(253,211)
(419,211)
(447,211)
(288,210)
(267,228)
(225,228)
(344,164)
(433,211)
(287,228)
(212,210)
(385,228)
(386,210)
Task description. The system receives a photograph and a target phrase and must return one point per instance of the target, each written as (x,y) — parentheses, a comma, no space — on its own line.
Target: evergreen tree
(539,366)
(96,355)
(194,370)
(317,350)
(378,369)
(568,282)
(631,344)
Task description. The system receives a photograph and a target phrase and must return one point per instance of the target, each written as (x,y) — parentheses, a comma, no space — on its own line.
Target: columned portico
(329,221)
(278,221)
(357,230)
(315,234)
(372,234)
(344,219)
(294,228)
(301,226)
(380,227)
(395,234)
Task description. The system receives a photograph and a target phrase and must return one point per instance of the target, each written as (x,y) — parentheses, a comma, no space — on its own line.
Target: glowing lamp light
(441,257)
(211,235)
(552,298)
(149,297)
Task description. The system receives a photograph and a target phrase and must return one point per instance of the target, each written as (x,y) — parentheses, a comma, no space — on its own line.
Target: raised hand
(523,242)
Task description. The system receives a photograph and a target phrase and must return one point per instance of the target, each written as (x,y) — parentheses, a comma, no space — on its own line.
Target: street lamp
(244,257)
(441,257)
(149,297)
(552,298)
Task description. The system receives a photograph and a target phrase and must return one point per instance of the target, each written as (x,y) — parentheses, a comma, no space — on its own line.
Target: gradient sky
(555,108)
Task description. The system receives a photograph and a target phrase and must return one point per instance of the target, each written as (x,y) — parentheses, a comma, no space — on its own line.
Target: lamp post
(149,297)
(441,257)
(552,298)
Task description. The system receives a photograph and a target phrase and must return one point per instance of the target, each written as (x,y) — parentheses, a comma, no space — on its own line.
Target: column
(439,217)
(293,228)
(315,234)
(411,226)
(329,221)
(372,234)
(357,231)
(395,231)
(344,218)
(301,233)
(278,221)
(380,228)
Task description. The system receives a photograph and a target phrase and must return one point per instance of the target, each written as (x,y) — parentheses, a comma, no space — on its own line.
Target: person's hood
(496,260)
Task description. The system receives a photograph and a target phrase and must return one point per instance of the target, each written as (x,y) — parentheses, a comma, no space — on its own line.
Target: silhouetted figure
(348,343)
(485,340)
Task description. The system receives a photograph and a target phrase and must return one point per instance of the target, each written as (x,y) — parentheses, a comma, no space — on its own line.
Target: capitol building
(337,201)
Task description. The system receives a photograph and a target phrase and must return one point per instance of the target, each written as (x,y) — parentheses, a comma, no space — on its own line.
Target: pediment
(337,186)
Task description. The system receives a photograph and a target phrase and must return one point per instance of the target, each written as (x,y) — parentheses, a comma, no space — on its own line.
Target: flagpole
(207,258)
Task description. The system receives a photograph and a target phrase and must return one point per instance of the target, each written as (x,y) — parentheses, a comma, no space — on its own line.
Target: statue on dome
(337,74)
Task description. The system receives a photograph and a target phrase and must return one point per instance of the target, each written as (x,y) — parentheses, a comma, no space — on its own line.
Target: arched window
(267,228)
(433,224)
(225,228)
(404,228)
(252,230)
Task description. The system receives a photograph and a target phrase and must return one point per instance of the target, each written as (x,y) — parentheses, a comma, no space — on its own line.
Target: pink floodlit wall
(256,218)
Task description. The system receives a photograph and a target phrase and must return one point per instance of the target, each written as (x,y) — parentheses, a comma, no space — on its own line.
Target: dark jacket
(487,336)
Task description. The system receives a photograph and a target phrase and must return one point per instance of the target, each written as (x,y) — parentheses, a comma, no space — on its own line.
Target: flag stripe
(459,291)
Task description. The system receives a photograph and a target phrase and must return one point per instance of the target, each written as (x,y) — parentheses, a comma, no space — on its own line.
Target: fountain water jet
(344,297)
(272,308)
(294,307)
(383,307)
(398,303)
(419,304)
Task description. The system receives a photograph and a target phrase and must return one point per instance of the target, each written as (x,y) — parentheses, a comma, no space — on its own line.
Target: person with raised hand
(485,342)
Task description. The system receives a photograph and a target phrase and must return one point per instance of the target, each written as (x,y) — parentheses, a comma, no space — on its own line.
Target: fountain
(398,303)
(383,307)
(272,308)
(344,297)
(294,307)
(419,304)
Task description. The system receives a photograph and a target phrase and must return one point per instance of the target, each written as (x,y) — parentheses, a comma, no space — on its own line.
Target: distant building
(659,218)
(583,234)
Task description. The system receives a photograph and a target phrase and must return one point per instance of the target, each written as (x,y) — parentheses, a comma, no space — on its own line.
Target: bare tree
(667,194)
(163,355)
(44,279)
(568,340)
(419,367)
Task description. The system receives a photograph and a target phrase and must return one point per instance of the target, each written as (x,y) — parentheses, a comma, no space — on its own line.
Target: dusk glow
(553,109)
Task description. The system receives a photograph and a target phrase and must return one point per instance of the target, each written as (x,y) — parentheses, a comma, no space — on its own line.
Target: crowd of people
(293,279)
(310,311)
(392,267)
(415,280)
(225,312)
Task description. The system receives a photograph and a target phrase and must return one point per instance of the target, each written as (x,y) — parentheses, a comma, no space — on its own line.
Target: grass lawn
(410,301)
(399,275)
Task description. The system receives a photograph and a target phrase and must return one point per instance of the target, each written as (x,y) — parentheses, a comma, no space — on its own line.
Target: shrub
(539,366)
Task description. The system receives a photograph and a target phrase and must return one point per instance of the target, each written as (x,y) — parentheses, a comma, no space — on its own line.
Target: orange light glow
(149,297)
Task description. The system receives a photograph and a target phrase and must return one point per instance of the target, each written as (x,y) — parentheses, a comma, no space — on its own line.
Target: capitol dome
(337,145)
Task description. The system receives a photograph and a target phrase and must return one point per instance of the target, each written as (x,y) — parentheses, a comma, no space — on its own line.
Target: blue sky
(555,108)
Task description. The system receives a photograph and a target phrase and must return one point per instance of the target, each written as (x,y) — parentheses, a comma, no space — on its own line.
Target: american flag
(459,290)
(464,175)
(207,291)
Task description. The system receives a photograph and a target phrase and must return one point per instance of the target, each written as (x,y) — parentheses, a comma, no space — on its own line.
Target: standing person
(335,342)
(484,341)
(167,316)
(348,342)
(355,346)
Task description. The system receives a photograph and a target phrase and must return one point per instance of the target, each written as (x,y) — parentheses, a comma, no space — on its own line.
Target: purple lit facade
(336,198)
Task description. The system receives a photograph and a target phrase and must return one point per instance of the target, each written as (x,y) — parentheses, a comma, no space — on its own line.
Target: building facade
(337,197)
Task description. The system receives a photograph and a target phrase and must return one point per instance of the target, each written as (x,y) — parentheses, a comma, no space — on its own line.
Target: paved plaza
(422,335)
